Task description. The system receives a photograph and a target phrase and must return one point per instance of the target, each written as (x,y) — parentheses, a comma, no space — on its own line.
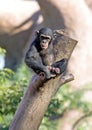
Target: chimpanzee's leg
(62,65)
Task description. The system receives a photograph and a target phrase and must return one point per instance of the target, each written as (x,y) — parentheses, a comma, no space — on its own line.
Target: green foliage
(84,126)
(2,51)
(12,87)
(5,75)
(65,99)
(48,125)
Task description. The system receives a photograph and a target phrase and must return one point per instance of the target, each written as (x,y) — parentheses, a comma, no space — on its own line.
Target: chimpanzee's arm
(34,61)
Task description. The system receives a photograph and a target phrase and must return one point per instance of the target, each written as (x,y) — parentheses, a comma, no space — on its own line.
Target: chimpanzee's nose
(44,41)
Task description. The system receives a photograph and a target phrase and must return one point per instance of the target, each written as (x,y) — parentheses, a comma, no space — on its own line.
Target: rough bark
(77,19)
(35,102)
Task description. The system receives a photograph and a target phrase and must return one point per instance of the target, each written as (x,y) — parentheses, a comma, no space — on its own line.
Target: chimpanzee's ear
(37,32)
(54,35)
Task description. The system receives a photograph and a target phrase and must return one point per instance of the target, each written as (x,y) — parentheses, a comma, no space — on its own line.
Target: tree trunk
(35,102)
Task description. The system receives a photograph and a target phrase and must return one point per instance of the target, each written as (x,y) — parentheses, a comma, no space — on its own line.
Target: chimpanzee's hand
(54,70)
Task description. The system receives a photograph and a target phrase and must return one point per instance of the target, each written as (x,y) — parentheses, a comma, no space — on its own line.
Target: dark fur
(38,59)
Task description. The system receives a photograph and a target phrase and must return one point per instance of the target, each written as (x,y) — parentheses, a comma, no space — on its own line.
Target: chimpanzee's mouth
(43,46)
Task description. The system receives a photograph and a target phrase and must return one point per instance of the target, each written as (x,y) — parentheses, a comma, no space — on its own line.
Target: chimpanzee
(40,56)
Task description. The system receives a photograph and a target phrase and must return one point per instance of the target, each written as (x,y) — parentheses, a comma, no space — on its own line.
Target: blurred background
(71,107)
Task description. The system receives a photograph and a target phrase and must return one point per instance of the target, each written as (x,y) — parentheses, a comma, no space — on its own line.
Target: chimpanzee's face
(44,41)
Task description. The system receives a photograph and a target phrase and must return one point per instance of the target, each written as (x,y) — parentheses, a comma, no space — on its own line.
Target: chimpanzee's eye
(44,37)
(47,38)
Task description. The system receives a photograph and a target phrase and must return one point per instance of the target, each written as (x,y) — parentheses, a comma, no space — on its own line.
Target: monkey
(40,55)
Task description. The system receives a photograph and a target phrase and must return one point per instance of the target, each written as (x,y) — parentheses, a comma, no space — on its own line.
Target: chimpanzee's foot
(57,70)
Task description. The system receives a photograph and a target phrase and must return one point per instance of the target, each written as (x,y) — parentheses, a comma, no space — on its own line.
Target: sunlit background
(2,61)
(71,107)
